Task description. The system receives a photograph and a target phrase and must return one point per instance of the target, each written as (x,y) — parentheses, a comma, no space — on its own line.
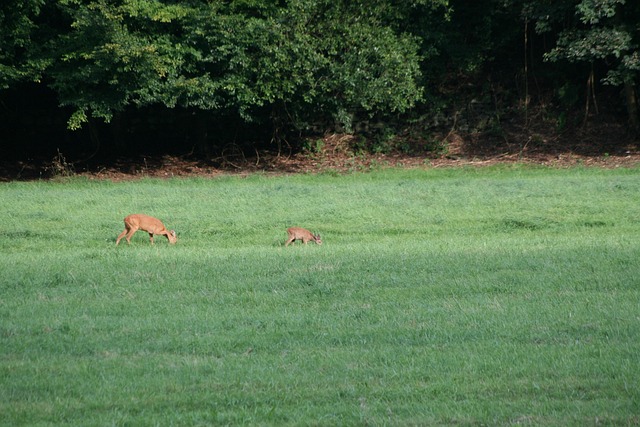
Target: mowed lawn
(491,296)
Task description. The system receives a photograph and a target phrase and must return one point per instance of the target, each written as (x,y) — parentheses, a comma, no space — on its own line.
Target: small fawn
(151,225)
(297,233)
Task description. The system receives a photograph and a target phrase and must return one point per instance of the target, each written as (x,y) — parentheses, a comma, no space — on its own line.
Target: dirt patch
(607,146)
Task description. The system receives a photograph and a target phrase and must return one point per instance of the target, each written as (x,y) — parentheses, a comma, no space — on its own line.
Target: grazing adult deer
(297,233)
(151,225)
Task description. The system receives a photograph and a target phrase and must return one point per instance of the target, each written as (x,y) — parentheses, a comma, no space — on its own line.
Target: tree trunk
(200,130)
(116,132)
(632,107)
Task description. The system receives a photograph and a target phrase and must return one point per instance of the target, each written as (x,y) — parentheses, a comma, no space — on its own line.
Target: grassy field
(495,296)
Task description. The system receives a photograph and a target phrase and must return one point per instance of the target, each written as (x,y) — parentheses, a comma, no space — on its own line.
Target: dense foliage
(216,72)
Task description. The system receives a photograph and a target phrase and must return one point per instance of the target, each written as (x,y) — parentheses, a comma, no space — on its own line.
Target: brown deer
(297,233)
(151,225)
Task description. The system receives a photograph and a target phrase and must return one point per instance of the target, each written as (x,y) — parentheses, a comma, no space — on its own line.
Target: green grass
(495,296)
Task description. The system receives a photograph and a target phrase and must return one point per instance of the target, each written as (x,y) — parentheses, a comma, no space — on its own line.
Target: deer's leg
(151,237)
(130,233)
(121,236)
(291,239)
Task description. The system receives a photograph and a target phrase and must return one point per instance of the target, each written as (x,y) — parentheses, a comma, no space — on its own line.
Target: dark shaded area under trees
(85,82)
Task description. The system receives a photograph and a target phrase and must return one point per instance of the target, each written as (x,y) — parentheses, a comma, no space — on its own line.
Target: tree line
(199,74)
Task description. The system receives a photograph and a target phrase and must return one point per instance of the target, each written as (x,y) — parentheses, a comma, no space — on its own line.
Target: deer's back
(299,232)
(145,222)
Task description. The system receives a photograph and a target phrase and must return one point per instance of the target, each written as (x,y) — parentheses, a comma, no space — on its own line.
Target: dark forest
(84,83)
